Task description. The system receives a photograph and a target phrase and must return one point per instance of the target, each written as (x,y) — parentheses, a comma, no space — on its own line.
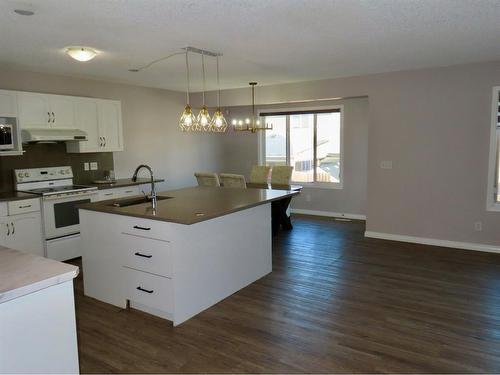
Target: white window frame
(261,144)
(491,203)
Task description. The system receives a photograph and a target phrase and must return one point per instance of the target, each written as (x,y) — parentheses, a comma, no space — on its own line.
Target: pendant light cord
(187,76)
(203,70)
(218,82)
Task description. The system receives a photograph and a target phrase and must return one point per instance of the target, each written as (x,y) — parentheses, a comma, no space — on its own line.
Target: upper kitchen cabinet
(102,120)
(8,104)
(45,110)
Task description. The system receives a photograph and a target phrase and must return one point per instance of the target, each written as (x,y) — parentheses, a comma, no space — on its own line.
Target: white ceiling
(270,41)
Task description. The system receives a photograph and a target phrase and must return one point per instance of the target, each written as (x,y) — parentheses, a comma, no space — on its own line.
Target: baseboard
(434,242)
(327,214)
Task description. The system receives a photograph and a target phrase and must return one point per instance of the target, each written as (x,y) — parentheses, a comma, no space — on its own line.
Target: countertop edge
(22,291)
(123,184)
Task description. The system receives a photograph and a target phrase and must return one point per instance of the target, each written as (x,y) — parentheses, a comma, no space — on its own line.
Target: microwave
(7,131)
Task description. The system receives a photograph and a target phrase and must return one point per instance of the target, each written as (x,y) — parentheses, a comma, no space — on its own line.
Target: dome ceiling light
(81,53)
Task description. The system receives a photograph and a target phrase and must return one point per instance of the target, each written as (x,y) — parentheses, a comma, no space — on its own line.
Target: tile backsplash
(52,155)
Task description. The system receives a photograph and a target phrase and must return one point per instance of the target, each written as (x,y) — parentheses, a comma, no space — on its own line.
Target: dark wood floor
(335,302)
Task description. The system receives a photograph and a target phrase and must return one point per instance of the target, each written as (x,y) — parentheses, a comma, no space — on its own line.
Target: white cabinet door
(25,233)
(34,110)
(110,125)
(3,232)
(8,103)
(86,119)
(62,108)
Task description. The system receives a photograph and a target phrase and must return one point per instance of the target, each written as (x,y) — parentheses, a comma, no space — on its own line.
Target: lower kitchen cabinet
(117,193)
(22,231)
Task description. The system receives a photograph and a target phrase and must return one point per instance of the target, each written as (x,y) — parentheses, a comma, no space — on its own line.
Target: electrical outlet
(386,164)
(86,166)
(478,226)
(93,166)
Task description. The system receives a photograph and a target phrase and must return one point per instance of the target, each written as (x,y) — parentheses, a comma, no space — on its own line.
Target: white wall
(150,129)
(434,124)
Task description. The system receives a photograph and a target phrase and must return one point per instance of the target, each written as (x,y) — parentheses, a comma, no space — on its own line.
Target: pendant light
(218,124)
(187,122)
(253,123)
(203,119)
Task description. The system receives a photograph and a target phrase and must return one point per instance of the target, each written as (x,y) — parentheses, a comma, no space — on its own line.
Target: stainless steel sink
(136,200)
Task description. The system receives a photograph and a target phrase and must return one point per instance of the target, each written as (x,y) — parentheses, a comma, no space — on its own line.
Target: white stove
(60,201)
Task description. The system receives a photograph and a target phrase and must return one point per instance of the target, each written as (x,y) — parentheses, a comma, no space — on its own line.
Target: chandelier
(252,124)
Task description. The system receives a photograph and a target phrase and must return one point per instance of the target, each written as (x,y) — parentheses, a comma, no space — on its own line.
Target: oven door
(60,214)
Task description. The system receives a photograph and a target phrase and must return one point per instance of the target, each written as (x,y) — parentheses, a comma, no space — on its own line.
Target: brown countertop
(123,182)
(24,273)
(194,205)
(253,185)
(7,196)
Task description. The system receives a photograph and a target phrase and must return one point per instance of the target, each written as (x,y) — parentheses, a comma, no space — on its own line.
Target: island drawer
(149,290)
(145,254)
(146,228)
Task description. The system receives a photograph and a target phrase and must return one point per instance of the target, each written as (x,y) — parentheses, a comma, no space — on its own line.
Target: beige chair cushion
(281,175)
(260,174)
(233,180)
(207,179)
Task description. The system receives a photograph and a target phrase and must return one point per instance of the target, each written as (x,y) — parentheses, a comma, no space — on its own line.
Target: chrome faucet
(153,189)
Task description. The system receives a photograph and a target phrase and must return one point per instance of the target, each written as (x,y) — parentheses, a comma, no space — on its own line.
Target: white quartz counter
(23,273)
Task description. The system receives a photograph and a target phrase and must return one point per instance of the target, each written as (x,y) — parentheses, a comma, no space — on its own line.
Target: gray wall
(434,124)
(150,129)
(240,150)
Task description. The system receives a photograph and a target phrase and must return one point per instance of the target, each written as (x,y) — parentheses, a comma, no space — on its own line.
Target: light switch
(93,166)
(386,164)
(86,166)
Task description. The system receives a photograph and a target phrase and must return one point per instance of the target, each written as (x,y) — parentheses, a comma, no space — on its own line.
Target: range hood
(52,135)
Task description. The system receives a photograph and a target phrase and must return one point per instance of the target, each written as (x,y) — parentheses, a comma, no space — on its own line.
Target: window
(493,199)
(310,141)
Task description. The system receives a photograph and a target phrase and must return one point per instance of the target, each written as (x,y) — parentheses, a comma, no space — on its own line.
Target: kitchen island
(198,247)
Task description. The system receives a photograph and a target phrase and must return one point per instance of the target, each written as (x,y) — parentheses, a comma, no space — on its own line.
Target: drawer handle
(145,290)
(143,255)
(141,228)
(108,194)
(129,191)
(27,206)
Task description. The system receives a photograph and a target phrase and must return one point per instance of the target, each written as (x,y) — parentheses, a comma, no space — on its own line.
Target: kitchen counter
(6,196)
(194,205)
(23,273)
(124,182)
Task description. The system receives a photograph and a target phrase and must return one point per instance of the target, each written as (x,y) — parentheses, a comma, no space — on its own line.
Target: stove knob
(26,174)
(20,175)
(62,171)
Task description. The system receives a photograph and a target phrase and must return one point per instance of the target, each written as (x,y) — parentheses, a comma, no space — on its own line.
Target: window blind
(307,112)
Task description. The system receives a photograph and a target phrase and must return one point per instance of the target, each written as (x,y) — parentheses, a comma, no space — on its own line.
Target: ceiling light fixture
(252,124)
(218,124)
(187,122)
(203,120)
(81,53)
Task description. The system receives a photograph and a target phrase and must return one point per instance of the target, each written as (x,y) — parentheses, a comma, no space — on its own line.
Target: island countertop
(194,205)
(24,273)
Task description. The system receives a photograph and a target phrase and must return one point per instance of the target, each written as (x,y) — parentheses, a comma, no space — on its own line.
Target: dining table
(279,208)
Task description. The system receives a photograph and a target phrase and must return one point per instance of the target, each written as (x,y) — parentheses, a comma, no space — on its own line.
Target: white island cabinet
(37,315)
(200,246)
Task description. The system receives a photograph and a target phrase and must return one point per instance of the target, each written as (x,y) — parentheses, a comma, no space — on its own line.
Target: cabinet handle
(143,255)
(129,191)
(27,206)
(13,228)
(48,113)
(53,117)
(141,228)
(104,141)
(107,194)
(8,229)
(145,290)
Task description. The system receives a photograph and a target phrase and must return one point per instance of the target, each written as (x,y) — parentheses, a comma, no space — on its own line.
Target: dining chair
(259,174)
(233,180)
(207,179)
(281,175)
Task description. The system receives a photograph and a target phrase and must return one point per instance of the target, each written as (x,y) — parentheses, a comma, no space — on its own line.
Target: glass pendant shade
(187,121)
(219,123)
(203,120)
